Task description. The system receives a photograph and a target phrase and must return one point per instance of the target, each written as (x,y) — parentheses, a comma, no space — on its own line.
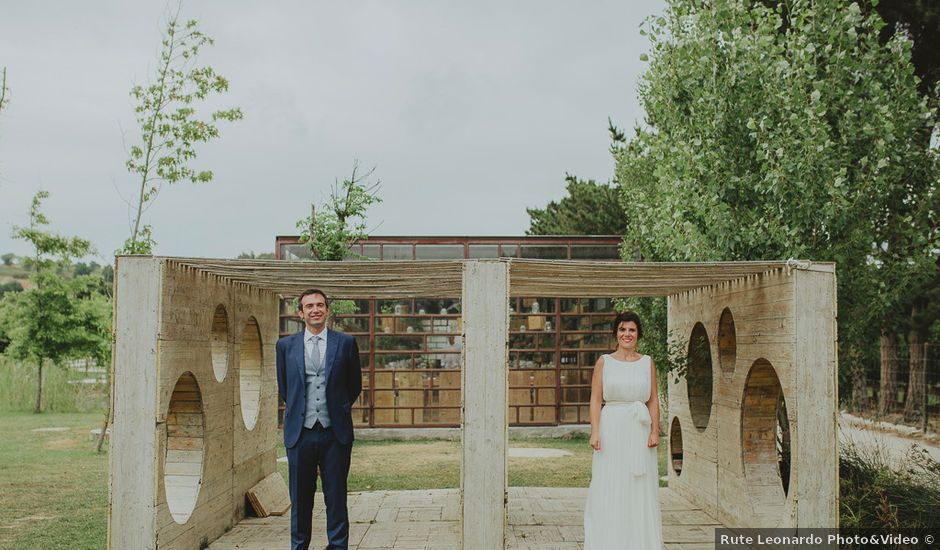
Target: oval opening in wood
(675,445)
(699,378)
(219,343)
(249,372)
(727,342)
(765,441)
(185,445)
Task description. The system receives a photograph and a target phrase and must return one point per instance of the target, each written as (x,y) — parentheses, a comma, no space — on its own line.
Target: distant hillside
(10,273)
(13,272)
(20,274)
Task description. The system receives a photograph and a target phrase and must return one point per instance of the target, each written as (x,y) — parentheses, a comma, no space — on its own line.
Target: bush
(18,389)
(876,493)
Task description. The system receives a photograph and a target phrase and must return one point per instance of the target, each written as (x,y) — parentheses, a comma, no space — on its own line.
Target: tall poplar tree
(788,129)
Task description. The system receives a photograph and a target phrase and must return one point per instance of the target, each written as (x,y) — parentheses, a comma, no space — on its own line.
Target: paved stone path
(539,519)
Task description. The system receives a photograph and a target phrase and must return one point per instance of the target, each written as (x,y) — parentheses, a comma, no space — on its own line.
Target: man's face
(314,311)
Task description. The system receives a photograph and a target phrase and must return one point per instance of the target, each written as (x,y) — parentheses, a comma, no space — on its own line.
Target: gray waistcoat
(315,370)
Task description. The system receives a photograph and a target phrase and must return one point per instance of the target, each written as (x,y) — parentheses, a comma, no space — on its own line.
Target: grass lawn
(53,487)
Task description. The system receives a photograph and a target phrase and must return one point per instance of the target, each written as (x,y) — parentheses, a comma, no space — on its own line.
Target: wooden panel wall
(788,320)
(234,457)
(762,308)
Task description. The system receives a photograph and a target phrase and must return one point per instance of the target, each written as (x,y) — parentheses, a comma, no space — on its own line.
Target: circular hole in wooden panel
(765,441)
(699,378)
(185,444)
(675,445)
(219,341)
(249,372)
(727,342)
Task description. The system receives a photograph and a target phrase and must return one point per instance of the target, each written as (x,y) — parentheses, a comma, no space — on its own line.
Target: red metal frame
(557,350)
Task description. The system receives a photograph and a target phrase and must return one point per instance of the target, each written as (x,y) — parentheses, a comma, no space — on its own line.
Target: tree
(10,286)
(920,20)
(252,256)
(81,268)
(341,222)
(170,127)
(589,208)
(3,88)
(57,319)
(781,131)
(8,258)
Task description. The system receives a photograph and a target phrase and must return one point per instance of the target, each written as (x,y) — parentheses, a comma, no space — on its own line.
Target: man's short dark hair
(625,317)
(310,291)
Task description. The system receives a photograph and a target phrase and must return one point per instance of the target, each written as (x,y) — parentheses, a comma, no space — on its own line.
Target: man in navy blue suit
(319,377)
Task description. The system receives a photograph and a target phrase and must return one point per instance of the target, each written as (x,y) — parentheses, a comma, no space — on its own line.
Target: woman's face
(626,334)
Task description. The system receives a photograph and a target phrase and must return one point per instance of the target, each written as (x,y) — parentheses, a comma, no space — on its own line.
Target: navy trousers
(317,450)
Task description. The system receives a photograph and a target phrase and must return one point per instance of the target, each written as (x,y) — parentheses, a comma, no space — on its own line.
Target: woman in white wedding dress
(622,509)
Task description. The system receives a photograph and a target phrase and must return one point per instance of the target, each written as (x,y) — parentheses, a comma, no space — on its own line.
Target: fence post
(923,416)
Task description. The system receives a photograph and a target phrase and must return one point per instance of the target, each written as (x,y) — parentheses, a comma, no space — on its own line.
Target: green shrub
(876,493)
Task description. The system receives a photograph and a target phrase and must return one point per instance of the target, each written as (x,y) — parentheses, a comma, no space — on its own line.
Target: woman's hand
(595,441)
(653,440)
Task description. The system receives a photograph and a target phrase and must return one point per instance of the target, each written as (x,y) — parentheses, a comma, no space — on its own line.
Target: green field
(53,487)
(63,390)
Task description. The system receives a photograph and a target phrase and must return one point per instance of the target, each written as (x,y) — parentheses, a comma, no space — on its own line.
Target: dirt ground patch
(62,444)
(17,523)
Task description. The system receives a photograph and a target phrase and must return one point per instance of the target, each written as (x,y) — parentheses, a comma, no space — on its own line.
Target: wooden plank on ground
(270,497)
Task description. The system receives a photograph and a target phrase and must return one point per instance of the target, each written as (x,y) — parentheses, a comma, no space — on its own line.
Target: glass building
(411,347)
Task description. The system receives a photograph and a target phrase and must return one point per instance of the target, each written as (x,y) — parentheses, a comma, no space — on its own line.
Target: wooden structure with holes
(195,403)
(753,426)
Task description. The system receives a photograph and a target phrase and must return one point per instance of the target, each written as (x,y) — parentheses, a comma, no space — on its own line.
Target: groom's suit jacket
(343,383)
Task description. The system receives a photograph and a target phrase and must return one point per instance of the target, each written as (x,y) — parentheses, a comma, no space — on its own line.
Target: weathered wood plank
(133,454)
(270,496)
(816,401)
(485,392)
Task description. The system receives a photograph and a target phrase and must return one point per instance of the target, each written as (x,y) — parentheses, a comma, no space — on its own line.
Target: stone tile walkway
(539,519)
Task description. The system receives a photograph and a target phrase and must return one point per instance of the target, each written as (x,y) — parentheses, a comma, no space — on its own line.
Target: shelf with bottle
(288,306)
(543,322)
(417,324)
(539,360)
(417,360)
(350,324)
(585,322)
(603,306)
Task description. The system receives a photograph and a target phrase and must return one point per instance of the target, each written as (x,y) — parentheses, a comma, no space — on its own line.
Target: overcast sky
(471,111)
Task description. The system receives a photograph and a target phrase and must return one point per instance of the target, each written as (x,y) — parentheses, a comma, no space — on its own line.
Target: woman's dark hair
(625,317)
(310,291)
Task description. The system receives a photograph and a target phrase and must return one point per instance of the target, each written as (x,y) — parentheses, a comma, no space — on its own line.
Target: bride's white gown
(622,509)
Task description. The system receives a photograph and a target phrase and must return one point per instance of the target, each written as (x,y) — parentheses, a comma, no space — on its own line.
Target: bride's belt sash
(637,451)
